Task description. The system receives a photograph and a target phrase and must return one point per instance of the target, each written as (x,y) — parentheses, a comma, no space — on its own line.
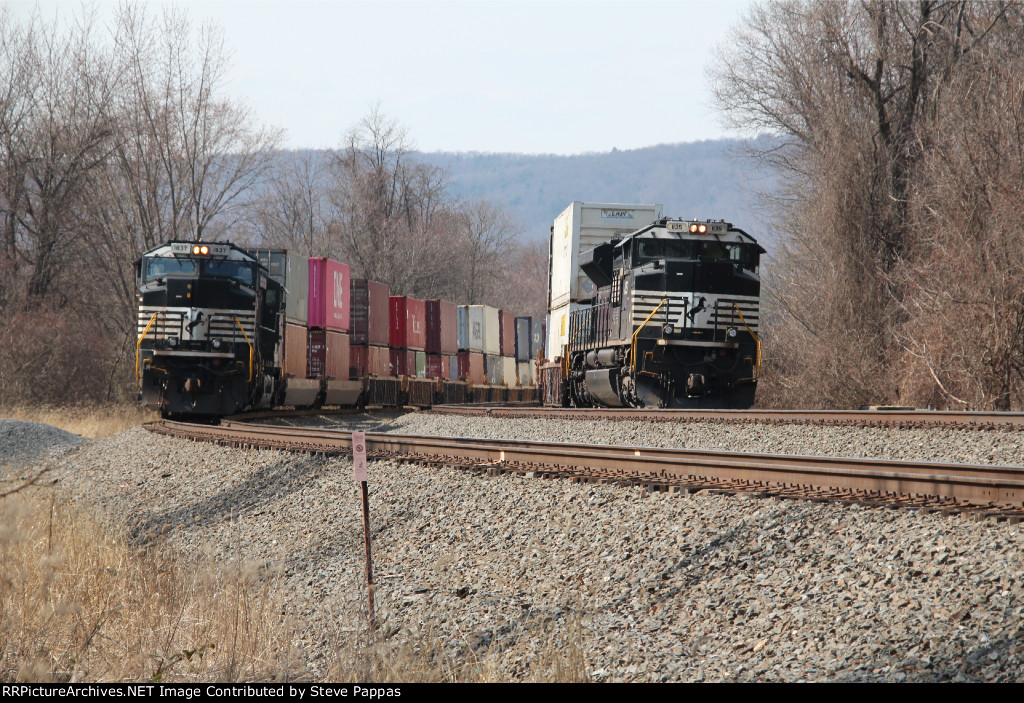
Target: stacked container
(292,272)
(328,320)
(370,318)
(408,335)
(442,341)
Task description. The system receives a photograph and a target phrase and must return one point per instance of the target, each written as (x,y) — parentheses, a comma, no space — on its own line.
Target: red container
(329,295)
(471,368)
(370,315)
(327,355)
(403,362)
(408,328)
(442,327)
(295,351)
(369,361)
(435,369)
(507,333)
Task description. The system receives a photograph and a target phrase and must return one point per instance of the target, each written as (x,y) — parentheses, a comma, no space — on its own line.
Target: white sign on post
(359,455)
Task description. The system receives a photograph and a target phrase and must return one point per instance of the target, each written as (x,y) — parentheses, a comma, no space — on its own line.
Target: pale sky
(525,76)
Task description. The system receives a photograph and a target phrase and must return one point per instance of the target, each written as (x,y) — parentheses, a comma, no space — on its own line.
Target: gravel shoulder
(502,571)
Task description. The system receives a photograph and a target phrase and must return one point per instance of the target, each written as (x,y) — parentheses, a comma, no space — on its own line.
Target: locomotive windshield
(703,250)
(242,271)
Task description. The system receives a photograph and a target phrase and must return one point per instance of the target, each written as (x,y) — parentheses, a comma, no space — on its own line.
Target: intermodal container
(442,327)
(492,369)
(295,351)
(292,272)
(450,367)
(471,368)
(403,362)
(368,360)
(506,333)
(436,366)
(463,328)
(522,339)
(508,371)
(537,336)
(329,295)
(526,373)
(370,312)
(408,330)
(484,332)
(421,364)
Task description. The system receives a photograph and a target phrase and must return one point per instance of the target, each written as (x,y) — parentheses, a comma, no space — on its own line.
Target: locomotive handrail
(247,342)
(636,333)
(138,344)
(757,341)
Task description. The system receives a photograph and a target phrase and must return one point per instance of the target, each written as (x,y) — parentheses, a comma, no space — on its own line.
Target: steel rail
(970,419)
(977,485)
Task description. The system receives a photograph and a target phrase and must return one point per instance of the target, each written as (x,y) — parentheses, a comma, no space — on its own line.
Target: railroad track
(903,418)
(990,491)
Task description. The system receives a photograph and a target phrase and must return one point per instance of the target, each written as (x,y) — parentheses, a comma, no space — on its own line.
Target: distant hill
(707,179)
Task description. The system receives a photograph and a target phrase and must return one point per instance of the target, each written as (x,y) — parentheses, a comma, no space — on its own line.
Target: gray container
(493,366)
(463,329)
(453,367)
(421,364)
(523,346)
(292,272)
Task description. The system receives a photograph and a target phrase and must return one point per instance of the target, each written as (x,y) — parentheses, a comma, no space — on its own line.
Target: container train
(644,311)
(660,315)
(223,329)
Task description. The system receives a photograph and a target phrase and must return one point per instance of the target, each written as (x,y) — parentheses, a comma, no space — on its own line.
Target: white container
(526,373)
(583,226)
(558,329)
(508,371)
(484,332)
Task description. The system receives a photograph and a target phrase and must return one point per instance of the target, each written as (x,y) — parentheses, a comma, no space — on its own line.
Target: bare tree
(854,91)
(294,211)
(485,244)
(392,214)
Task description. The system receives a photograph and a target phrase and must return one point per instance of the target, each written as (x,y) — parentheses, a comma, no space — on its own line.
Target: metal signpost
(359,465)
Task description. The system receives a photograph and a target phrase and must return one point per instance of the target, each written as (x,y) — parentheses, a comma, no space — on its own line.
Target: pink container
(370,316)
(408,323)
(329,295)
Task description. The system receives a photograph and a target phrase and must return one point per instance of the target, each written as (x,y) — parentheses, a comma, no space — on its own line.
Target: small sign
(359,455)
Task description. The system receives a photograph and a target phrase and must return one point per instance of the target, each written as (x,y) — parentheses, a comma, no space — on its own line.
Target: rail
(998,488)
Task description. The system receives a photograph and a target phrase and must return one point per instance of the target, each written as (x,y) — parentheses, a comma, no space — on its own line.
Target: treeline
(902,170)
(116,138)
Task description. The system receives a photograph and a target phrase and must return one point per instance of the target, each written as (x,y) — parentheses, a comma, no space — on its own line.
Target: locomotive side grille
(173,322)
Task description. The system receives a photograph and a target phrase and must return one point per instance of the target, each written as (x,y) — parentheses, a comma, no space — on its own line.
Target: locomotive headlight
(668,329)
(195,249)
(693,229)
(172,341)
(204,250)
(215,344)
(731,333)
(702,228)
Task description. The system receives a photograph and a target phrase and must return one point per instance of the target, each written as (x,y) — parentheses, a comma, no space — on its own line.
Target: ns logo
(339,290)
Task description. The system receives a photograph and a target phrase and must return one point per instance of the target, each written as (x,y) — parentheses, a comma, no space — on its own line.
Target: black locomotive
(209,330)
(674,323)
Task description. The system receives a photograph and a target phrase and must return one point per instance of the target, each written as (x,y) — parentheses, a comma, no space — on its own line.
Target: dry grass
(78,604)
(91,421)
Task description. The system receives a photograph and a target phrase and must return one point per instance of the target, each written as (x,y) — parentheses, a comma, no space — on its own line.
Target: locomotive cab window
(157,267)
(241,271)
